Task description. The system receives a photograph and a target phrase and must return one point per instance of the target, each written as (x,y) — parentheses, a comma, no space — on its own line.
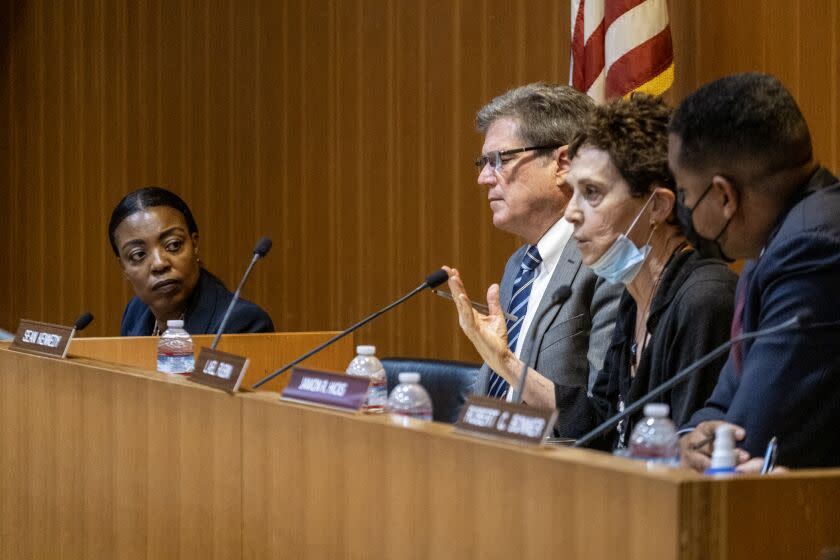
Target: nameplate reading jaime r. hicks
(323,388)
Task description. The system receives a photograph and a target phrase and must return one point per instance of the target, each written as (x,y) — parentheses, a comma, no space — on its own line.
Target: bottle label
(424,414)
(377,397)
(172,362)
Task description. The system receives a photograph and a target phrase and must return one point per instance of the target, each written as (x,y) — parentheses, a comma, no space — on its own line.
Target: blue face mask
(622,261)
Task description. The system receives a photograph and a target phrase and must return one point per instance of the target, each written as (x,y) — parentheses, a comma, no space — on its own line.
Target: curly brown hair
(634,132)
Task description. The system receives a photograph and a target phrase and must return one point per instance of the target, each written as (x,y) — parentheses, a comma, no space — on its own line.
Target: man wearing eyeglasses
(523,164)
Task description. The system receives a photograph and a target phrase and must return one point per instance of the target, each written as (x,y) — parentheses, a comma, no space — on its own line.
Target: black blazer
(204,313)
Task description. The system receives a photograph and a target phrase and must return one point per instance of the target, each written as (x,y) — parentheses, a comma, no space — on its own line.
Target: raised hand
(488,333)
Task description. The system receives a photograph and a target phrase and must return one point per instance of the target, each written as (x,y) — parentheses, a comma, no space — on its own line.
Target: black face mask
(708,248)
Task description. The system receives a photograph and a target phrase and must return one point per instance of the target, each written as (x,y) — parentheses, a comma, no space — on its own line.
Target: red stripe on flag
(614,9)
(578,49)
(593,57)
(640,64)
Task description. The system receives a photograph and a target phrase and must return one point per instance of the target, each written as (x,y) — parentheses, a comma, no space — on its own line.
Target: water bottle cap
(657,410)
(366,350)
(723,454)
(725,431)
(409,377)
(724,438)
(175,323)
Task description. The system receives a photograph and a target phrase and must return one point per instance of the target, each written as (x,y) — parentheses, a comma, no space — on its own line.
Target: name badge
(518,422)
(42,339)
(219,369)
(344,392)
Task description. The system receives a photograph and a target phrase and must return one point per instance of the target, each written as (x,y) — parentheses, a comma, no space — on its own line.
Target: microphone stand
(261,250)
(433,280)
(229,310)
(682,376)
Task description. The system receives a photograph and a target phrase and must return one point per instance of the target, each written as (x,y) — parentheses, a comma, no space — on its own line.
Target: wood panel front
(106,461)
(267,352)
(365,487)
(98,464)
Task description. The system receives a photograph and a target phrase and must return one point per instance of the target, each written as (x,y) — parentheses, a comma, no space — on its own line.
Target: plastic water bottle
(654,439)
(365,364)
(175,349)
(409,398)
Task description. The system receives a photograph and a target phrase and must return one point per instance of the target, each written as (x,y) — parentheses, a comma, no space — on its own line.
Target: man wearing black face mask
(749,187)
(707,247)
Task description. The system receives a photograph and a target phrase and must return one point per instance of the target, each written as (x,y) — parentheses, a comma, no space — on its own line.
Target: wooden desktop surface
(267,352)
(106,461)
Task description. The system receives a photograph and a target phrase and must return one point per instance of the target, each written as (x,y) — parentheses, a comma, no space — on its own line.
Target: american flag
(621,46)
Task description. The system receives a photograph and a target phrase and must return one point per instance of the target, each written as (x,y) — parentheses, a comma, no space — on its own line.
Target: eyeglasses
(495,158)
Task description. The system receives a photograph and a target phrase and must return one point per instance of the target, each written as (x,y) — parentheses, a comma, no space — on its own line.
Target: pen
(770,456)
(477,306)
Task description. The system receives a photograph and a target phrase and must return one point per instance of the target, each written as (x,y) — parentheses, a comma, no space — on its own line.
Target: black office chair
(447,382)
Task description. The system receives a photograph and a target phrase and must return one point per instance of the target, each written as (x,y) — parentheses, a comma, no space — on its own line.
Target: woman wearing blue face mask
(676,305)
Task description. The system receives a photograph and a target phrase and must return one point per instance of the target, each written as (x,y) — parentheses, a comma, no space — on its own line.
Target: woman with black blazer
(155,237)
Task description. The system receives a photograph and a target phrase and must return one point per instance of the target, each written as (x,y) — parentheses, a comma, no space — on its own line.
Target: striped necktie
(517,307)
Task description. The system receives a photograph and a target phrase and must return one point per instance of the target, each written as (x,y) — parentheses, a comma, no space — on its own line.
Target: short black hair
(145,198)
(744,117)
(634,132)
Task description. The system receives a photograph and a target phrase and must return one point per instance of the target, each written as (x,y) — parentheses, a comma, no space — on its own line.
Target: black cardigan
(690,315)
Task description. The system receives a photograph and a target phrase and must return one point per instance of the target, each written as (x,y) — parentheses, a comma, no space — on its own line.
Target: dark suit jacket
(573,337)
(204,313)
(789,386)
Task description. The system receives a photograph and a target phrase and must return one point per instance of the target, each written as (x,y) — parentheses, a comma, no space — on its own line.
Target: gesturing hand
(488,333)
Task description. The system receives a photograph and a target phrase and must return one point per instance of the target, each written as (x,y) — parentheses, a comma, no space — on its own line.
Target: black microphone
(83,321)
(433,280)
(559,297)
(795,322)
(261,250)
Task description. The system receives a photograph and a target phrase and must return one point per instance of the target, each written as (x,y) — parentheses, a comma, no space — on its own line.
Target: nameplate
(518,422)
(219,369)
(344,392)
(43,339)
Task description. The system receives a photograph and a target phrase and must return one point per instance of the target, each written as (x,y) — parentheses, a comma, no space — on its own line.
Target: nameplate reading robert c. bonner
(492,417)
(327,389)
